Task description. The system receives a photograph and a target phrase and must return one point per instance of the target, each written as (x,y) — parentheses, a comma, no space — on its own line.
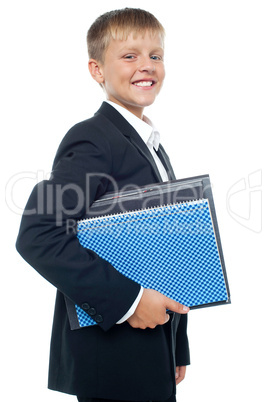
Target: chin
(146,102)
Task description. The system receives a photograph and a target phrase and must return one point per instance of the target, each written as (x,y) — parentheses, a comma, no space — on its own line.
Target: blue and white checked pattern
(171,249)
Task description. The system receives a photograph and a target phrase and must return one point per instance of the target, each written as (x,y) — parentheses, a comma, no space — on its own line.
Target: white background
(212,118)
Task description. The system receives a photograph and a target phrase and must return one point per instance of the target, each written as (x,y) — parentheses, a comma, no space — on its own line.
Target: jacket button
(92,311)
(98,318)
(85,306)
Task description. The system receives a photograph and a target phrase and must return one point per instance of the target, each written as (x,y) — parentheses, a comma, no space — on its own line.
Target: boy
(137,352)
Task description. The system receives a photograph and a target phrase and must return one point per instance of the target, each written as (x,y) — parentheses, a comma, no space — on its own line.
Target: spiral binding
(160,208)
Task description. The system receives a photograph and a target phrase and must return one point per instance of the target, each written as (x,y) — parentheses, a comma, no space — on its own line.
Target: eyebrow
(134,49)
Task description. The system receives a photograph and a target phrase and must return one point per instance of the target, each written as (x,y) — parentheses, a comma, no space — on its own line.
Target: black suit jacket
(105,360)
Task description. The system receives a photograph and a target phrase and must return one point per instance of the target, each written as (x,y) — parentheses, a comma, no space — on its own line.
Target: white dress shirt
(151,138)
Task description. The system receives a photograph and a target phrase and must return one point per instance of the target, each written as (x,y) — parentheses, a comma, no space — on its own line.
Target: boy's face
(133,71)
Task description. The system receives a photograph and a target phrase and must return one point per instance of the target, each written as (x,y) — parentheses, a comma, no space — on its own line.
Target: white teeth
(143,83)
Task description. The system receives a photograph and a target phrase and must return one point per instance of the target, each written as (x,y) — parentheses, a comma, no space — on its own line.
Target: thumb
(176,307)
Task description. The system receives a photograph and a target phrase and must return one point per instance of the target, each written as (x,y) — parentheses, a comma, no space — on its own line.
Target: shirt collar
(144,127)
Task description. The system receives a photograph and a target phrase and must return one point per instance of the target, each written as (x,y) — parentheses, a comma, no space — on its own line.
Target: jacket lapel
(166,162)
(137,141)
(127,130)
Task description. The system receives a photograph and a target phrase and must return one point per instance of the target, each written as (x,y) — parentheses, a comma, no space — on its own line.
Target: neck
(137,111)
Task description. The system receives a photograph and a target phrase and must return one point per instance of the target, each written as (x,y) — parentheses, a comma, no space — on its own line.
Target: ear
(95,69)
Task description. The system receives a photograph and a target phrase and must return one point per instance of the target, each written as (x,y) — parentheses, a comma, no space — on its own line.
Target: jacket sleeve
(47,239)
(182,347)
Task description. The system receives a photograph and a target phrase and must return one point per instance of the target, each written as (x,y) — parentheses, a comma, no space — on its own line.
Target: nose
(147,65)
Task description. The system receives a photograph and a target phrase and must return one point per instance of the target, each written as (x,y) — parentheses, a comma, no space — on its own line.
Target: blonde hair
(118,24)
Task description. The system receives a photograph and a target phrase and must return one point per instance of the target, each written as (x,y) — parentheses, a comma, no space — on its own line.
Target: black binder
(114,224)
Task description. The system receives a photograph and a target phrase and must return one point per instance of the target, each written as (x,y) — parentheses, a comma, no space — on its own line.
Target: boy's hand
(180,374)
(151,310)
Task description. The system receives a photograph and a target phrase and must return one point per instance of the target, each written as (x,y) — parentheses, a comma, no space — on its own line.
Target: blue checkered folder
(162,236)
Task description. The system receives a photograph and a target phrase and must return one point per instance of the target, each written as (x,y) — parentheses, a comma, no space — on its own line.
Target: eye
(155,57)
(129,56)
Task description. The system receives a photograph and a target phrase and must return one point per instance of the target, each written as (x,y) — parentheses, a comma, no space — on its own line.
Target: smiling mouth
(144,83)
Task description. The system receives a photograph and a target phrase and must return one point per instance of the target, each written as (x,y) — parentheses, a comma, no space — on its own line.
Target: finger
(167,318)
(177,375)
(176,307)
